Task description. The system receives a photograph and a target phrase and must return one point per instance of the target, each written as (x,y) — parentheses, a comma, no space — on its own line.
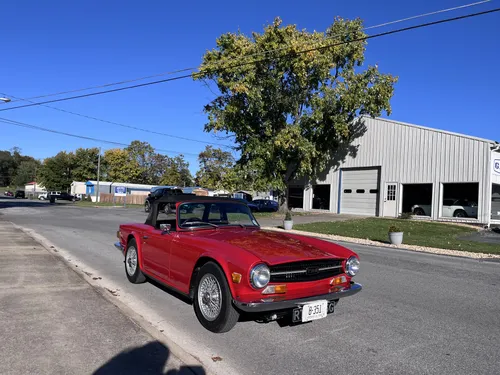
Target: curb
(109,295)
(360,241)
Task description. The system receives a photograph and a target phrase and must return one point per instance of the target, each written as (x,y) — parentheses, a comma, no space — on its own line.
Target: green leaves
(290,98)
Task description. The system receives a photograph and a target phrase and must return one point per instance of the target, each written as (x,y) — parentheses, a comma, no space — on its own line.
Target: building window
(321,197)
(347,191)
(417,199)
(360,191)
(373,191)
(460,200)
(296,197)
(391,192)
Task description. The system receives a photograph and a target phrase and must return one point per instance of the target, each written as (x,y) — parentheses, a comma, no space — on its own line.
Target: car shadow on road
(148,359)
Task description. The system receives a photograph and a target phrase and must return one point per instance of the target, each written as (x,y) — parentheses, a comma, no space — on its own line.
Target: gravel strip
(361,241)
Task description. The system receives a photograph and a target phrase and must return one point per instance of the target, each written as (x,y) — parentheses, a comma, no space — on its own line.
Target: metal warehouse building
(394,167)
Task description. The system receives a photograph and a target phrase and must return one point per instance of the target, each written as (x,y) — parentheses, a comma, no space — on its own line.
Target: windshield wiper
(200,222)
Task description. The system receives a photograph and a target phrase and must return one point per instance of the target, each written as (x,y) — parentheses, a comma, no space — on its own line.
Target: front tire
(147,206)
(419,212)
(213,301)
(460,213)
(132,268)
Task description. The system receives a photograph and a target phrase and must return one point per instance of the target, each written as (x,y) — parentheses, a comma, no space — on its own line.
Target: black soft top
(181,198)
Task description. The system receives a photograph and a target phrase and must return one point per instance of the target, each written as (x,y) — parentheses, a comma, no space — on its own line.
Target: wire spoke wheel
(131,260)
(210,297)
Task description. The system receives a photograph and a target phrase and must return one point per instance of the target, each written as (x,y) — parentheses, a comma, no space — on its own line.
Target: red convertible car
(213,251)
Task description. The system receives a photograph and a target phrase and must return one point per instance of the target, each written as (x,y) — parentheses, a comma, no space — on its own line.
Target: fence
(131,199)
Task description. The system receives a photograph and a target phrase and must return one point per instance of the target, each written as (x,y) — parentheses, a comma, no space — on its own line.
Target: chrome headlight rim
(352,266)
(260,269)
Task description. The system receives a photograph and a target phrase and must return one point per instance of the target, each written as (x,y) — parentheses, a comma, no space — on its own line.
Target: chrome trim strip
(304,271)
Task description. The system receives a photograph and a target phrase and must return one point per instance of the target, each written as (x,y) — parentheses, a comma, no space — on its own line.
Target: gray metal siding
(412,154)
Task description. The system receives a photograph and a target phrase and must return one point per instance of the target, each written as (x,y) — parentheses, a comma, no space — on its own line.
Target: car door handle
(145,237)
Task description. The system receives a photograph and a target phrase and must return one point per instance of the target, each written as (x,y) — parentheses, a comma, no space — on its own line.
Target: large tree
(85,164)
(27,171)
(56,172)
(294,102)
(120,167)
(216,170)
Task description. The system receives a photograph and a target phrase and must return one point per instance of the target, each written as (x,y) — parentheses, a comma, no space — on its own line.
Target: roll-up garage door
(359,192)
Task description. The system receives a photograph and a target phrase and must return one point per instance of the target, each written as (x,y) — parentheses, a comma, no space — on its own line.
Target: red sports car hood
(272,247)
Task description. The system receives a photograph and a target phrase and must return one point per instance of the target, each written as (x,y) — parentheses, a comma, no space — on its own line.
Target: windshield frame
(219,225)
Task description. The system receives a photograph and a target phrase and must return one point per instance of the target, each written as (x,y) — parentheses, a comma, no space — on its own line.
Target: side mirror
(165,228)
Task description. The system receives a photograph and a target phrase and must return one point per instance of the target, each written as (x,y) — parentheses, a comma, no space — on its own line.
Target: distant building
(33,187)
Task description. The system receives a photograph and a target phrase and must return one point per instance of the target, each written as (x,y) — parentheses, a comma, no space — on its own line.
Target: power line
(251,55)
(29,126)
(122,125)
(391,32)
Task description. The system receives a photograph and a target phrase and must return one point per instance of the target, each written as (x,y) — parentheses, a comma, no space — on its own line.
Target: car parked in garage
(213,251)
(451,208)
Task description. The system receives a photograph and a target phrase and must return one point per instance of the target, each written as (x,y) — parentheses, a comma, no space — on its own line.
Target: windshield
(215,214)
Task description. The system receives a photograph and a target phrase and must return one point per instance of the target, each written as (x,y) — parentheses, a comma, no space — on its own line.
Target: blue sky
(447,73)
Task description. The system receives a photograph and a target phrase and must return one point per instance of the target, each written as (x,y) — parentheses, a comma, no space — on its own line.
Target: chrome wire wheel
(131,260)
(209,297)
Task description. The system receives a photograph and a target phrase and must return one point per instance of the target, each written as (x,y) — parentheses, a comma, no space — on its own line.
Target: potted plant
(395,235)
(288,222)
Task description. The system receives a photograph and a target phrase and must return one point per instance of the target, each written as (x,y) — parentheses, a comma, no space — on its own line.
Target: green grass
(104,204)
(277,215)
(438,235)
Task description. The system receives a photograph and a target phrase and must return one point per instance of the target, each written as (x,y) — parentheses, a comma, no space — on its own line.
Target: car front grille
(311,270)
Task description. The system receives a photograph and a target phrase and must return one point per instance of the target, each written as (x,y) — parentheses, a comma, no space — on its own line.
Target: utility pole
(98,175)
(34,184)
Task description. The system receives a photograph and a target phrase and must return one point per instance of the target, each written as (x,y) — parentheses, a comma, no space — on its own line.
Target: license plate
(314,310)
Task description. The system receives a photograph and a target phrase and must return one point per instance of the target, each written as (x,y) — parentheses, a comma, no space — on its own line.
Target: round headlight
(352,266)
(260,276)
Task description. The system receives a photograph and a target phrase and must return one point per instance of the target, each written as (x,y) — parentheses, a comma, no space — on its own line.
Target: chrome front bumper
(293,303)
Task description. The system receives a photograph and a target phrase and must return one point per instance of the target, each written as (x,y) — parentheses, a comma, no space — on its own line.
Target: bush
(288,216)
(393,229)
(405,215)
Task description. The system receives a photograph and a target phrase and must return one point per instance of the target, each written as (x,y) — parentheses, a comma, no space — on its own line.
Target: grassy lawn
(104,204)
(277,215)
(438,235)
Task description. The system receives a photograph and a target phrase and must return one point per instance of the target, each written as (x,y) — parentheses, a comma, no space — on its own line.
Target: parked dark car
(266,205)
(253,207)
(20,194)
(65,197)
(158,193)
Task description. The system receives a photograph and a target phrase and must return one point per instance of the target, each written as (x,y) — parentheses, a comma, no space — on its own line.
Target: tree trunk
(283,202)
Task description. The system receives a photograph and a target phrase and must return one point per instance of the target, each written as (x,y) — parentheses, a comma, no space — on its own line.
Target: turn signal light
(274,289)
(236,277)
(118,234)
(338,280)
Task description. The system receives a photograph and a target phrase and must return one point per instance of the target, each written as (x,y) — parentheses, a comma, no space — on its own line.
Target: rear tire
(132,268)
(419,212)
(460,213)
(213,304)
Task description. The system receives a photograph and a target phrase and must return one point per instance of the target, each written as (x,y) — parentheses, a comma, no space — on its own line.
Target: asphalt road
(417,314)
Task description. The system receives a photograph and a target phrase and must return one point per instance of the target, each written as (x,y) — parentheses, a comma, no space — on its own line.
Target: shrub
(288,216)
(405,215)
(394,228)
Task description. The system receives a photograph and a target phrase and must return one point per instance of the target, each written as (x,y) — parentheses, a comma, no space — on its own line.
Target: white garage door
(359,192)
